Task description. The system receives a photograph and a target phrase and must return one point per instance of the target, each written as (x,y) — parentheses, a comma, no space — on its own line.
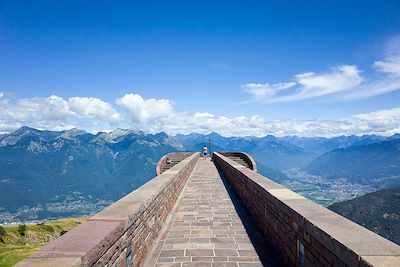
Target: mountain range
(39,168)
(271,151)
(320,145)
(376,164)
(50,174)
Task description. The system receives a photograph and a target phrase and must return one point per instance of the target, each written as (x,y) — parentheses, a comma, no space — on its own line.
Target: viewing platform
(198,212)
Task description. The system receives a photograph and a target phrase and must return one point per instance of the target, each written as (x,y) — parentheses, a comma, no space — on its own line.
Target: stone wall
(179,156)
(293,224)
(121,234)
(244,156)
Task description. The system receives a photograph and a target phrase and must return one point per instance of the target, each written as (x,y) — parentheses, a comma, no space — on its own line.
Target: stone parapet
(174,157)
(123,233)
(303,232)
(243,156)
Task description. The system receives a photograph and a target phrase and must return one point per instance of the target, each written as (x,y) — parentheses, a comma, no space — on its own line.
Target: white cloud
(308,85)
(143,110)
(55,112)
(383,122)
(339,79)
(391,62)
(343,82)
(387,80)
(42,112)
(263,90)
(390,65)
(174,122)
(155,115)
(90,107)
(384,115)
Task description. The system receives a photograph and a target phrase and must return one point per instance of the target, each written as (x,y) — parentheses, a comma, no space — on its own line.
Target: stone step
(239,160)
(174,161)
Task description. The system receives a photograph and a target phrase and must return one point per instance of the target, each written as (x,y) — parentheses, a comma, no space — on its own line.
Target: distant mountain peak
(24,130)
(117,135)
(214,135)
(14,137)
(395,136)
(72,133)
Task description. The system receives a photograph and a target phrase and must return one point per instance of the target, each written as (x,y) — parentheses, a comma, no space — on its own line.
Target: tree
(2,233)
(22,229)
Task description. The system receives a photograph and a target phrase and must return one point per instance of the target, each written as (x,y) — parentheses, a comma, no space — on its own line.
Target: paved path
(209,227)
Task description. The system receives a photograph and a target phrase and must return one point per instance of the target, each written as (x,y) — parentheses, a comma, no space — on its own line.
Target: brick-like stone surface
(211,226)
(285,218)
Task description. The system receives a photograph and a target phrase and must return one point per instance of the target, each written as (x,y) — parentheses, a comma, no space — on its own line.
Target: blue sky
(236,67)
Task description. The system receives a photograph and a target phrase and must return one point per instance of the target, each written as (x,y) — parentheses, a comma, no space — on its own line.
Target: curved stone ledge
(244,156)
(286,218)
(121,234)
(171,156)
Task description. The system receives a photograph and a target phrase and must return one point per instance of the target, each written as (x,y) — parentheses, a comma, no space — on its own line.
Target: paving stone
(219,258)
(224,264)
(182,259)
(250,264)
(205,245)
(200,240)
(168,264)
(238,259)
(171,253)
(199,252)
(184,246)
(202,259)
(247,252)
(222,240)
(176,240)
(197,264)
(165,260)
(226,245)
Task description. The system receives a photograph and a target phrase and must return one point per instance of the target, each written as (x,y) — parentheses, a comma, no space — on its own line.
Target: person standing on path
(204,151)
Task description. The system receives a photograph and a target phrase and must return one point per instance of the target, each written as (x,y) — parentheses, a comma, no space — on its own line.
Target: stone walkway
(209,227)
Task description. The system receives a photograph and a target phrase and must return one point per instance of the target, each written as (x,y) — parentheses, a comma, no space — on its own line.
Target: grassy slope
(16,247)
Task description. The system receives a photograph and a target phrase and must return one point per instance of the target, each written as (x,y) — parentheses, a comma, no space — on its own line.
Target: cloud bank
(156,115)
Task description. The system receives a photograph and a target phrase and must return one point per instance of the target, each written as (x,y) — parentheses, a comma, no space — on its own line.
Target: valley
(322,190)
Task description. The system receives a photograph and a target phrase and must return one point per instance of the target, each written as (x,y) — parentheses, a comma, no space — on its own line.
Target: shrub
(2,233)
(22,229)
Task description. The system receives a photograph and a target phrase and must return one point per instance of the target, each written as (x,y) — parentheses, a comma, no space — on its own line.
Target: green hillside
(378,211)
(15,246)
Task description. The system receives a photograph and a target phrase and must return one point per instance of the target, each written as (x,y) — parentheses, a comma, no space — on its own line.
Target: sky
(239,68)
